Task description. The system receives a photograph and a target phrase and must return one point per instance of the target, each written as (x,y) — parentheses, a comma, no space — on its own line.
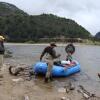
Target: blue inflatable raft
(57,71)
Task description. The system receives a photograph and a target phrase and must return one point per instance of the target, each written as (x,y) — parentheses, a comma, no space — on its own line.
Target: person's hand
(40,60)
(59,55)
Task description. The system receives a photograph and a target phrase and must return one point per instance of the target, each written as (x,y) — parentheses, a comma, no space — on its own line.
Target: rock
(26,97)
(67,90)
(68,99)
(62,90)
(17,80)
(1,76)
(71,86)
(63,98)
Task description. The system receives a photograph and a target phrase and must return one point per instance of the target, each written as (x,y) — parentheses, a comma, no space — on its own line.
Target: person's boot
(46,80)
(51,78)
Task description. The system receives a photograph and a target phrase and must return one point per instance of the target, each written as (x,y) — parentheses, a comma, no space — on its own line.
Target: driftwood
(26,72)
(87,95)
(15,71)
(85,91)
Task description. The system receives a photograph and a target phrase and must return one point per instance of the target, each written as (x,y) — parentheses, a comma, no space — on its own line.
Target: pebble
(26,97)
(1,76)
(62,90)
(64,98)
(17,80)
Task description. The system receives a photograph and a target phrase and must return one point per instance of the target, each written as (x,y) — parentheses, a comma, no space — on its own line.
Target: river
(87,55)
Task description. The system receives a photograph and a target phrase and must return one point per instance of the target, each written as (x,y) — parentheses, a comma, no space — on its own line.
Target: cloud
(84,12)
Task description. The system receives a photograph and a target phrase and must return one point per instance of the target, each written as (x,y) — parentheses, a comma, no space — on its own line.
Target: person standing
(50,56)
(2,50)
(99,75)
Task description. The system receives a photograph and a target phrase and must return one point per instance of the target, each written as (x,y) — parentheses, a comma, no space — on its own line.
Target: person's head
(52,44)
(1,38)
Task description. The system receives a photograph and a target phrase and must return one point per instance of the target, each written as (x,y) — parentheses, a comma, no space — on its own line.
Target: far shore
(45,44)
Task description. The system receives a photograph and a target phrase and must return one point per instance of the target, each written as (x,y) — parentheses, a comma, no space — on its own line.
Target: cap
(1,37)
(53,44)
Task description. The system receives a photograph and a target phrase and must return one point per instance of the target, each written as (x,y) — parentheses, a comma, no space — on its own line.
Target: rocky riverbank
(19,88)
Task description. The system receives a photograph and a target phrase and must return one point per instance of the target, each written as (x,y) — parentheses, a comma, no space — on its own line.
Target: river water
(87,55)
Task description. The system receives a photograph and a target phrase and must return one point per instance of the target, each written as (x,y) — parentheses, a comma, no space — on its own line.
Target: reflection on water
(87,55)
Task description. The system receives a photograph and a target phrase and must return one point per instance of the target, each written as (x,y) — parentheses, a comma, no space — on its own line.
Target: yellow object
(1,37)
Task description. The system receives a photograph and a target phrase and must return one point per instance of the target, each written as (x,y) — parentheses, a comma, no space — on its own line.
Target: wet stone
(65,98)
(1,76)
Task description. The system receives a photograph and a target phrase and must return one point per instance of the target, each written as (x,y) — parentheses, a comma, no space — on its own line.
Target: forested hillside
(97,35)
(18,26)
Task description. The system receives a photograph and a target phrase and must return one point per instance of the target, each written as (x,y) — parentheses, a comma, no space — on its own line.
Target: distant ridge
(97,35)
(7,9)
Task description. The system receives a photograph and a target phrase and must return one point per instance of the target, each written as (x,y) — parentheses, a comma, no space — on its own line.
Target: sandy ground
(35,89)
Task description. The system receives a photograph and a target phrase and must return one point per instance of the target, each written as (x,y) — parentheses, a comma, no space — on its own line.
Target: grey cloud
(84,12)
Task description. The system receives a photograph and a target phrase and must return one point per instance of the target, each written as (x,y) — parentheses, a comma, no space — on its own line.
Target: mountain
(18,26)
(7,9)
(97,35)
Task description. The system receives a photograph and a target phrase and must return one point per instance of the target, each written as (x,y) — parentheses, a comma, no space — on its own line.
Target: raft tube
(57,71)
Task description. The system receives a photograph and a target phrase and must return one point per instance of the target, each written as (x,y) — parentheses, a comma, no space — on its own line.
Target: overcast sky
(84,12)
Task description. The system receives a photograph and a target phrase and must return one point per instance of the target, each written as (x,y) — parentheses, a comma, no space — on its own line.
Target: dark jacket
(49,50)
(2,49)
